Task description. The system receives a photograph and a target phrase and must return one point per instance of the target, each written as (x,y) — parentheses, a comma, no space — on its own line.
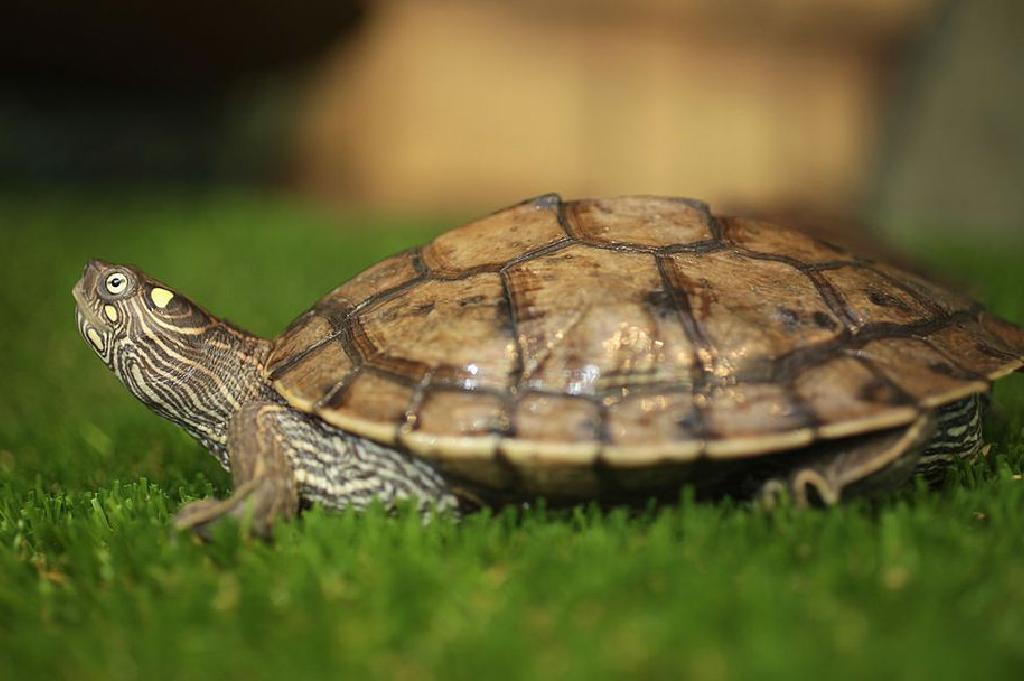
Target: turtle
(606,350)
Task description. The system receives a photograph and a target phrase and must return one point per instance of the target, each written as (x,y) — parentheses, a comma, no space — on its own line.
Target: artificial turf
(94,585)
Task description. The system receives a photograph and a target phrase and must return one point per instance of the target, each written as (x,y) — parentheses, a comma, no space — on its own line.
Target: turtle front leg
(265,487)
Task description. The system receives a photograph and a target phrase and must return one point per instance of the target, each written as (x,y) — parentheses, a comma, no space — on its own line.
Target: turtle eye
(116,283)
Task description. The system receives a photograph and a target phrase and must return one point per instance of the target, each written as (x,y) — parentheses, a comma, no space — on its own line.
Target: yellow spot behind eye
(161,297)
(111,312)
(95,338)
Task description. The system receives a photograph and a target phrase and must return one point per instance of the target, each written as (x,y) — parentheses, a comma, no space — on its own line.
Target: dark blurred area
(903,113)
(111,91)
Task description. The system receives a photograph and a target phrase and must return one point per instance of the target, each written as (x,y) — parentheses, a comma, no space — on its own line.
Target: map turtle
(596,349)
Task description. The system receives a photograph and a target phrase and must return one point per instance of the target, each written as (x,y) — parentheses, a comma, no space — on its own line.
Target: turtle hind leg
(958,436)
(265,488)
(833,471)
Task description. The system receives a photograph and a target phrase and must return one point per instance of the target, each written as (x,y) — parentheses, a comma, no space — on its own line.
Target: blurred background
(900,114)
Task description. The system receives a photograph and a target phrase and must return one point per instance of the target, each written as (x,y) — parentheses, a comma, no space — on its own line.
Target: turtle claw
(771,495)
(198,517)
(251,504)
(806,488)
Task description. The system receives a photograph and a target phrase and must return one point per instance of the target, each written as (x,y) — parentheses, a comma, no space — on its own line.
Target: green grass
(93,585)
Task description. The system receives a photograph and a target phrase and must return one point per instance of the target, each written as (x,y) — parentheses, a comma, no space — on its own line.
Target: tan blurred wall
(456,103)
(955,152)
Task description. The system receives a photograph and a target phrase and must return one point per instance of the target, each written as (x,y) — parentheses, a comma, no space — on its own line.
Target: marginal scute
(972,346)
(752,410)
(460,414)
(369,401)
(458,330)
(873,299)
(772,239)
(587,323)
(494,240)
(751,309)
(578,419)
(862,398)
(920,371)
(1010,335)
(650,221)
(653,420)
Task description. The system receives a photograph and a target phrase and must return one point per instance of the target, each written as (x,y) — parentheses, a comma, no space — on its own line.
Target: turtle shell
(553,340)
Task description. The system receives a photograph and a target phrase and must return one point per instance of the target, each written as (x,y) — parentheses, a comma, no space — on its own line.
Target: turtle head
(174,356)
(127,316)
(151,337)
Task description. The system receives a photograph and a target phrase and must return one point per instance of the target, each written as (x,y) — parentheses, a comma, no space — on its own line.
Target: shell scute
(427,329)
(936,296)
(491,242)
(370,404)
(649,221)
(654,419)
(305,332)
(578,419)
(459,414)
(768,238)
(752,410)
(751,309)
(920,371)
(865,398)
(1011,336)
(316,375)
(387,275)
(594,329)
(872,298)
(969,343)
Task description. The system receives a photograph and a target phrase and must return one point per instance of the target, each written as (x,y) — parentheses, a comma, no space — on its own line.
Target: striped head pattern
(178,359)
(127,317)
